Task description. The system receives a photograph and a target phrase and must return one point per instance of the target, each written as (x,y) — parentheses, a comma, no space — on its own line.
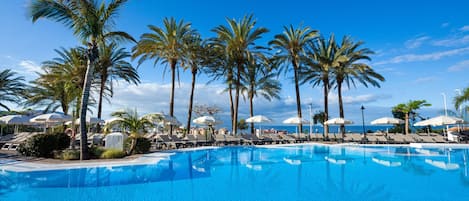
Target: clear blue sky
(422,49)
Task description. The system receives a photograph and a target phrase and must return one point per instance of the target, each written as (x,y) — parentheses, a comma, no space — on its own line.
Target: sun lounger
(287,138)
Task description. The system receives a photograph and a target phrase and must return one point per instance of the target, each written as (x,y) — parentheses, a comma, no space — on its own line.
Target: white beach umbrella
(89,120)
(50,118)
(440,121)
(258,119)
(387,121)
(14,120)
(111,120)
(205,120)
(295,120)
(338,121)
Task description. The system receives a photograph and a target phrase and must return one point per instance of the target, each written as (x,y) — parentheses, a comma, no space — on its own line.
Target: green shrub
(142,146)
(43,145)
(112,153)
(96,152)
(70,155)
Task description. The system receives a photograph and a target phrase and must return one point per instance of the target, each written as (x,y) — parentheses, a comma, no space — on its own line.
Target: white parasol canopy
(111,120)
(15,119)
(205,120)
(50,118)
(440,121)
(258,119)
(89,120)
(387,121)
(295,120)
(338,121)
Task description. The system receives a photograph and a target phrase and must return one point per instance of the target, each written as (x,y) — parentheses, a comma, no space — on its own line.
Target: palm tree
(166,45)
(91,23)
(61,82)
(196,52)
(130,121)
(238,42)
(291,47)
(321,58)
(11,88)
(112,66)
(259,80)
(460,99)
(219,66)
(408,109)
(351,70)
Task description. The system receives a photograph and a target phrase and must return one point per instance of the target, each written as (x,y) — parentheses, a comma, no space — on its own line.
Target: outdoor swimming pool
(304,172)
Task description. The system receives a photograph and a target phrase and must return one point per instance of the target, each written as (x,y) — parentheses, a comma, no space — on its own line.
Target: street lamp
(363,121)
(446,111)
(310,119)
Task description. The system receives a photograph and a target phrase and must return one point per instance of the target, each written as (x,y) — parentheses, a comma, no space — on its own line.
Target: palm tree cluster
(85,75)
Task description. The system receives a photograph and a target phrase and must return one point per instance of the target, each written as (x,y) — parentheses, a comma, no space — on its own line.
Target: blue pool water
(305,172)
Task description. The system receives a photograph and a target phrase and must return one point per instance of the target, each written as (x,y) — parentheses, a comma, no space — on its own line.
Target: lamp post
(363,122)
(446,110)
(310,119)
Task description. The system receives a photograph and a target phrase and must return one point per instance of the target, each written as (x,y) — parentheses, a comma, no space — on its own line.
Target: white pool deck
(153,158)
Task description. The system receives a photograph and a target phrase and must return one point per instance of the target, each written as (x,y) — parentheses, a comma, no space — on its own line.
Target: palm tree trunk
(238,86)
(341,108)
(230,92)
(92,56)
(133,144)
(406,123)
(326,107)
(298,99)
(171,101)
(251,108)
(191,99)
(100,103)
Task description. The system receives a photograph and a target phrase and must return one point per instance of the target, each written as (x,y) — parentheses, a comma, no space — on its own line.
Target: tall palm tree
(196,54)
(219,66)
(352,70)
(259,80)
(92,23)
(113,65)
(408,109)
(11,88)
(321,58)
(238,40)
(291,46)
(130,121)
(165,45)
(460,99)
(61,82)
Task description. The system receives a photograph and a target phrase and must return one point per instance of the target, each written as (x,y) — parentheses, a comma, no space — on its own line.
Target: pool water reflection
(305,172)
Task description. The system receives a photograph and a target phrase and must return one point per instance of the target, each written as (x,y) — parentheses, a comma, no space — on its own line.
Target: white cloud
(425,79)
(464,28)
(359,99)
(463,65)
(453,41)
(424,57)
(444,25)
(30,66)
(416,42)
